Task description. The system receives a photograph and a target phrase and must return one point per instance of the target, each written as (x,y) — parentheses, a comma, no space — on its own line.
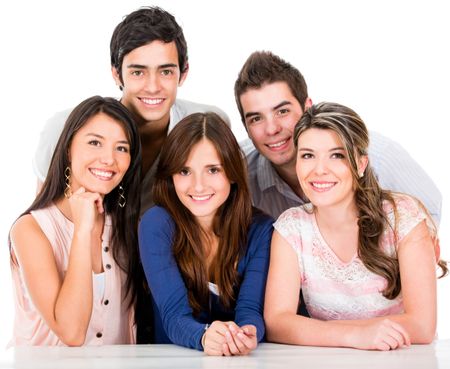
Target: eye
(167,72)
(184,172)
(253,119)
(306,156)
(282,111)
(337,155)
(94,143)
(137,73)
(214,170)
(125,149)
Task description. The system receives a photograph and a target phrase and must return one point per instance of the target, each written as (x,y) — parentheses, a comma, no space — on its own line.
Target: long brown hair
(369,196)
(124,244)
(232,218)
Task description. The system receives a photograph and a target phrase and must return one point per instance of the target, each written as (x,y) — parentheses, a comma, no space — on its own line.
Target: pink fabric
(112,320)
(332,289)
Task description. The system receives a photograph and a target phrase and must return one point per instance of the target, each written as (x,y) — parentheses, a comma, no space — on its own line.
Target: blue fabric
(173,318)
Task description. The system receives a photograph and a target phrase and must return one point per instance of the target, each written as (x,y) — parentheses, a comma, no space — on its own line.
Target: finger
(231,344)
(249,342)
(213,352)
(249,330)
(390,341)
(226,350)
(397,336)
(399,328)
(99,205)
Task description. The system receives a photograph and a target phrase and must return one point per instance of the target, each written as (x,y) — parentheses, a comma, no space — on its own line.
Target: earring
(122,201)
(67,190)
(361,174)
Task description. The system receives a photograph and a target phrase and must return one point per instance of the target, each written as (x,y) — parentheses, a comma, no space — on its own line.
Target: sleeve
(165,281)
(250,301)
(47,142)
(398,171)
(410,214)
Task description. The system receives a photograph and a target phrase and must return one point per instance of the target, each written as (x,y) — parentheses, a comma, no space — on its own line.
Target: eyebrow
(333,149)
(162,66)
(100,136)
(283,103)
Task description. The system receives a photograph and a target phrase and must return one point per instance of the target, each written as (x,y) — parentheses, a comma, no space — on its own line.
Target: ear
(116,76)
(363,161)
(308,103)
(183,76)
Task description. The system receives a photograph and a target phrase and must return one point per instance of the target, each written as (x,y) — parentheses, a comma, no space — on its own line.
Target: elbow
(73,338)
(426,336)
(271,322)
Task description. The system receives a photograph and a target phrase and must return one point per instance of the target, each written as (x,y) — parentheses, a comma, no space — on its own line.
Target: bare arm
(65,303)
(417,324)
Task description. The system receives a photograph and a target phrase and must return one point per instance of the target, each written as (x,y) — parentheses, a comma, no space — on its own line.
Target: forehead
(104,125)
(267,97)
(203,153)
(153,54)
(319,139)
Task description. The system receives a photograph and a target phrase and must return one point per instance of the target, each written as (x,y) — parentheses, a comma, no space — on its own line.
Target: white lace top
(332,289)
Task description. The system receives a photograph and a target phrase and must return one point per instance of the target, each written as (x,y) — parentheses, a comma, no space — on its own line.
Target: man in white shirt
(149,62)
(271,96)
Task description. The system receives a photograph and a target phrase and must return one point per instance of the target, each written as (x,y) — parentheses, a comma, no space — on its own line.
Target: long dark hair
(369,196)
(232,219)
(124,220)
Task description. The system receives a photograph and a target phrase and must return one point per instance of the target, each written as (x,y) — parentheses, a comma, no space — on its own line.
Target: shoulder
(24,231)
(56,121)
(261,220)
(295,220)
(184,108)
(156,216)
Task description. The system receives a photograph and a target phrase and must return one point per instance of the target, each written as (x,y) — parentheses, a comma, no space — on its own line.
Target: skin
(271,113)
(100,157)
(336,219)
(150,80)
(202,186)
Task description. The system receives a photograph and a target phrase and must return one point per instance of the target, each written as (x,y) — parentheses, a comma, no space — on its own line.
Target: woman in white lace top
(364,258)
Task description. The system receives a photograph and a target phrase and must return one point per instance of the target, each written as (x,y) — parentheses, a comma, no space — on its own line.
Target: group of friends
(152,224)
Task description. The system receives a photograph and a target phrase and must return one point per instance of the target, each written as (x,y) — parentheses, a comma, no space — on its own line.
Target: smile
(323,186)
(201,198)
(151,101)
(103,175)
(277,145)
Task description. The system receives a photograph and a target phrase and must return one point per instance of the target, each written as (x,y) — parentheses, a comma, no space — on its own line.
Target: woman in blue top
(204,249)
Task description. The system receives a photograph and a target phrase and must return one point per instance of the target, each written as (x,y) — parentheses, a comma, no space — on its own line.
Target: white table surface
(268,355)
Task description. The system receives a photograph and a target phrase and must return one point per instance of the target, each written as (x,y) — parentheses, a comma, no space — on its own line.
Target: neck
(338,216)
(289,176)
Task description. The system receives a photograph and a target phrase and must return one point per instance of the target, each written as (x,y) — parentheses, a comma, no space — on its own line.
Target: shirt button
(106,249)
(108,266)
(99,334)
(106,302)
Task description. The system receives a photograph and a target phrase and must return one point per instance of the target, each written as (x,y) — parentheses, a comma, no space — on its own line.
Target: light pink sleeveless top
(110,319)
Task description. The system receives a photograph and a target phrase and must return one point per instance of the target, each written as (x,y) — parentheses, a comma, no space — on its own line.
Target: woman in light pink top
(74,251)
(364,258)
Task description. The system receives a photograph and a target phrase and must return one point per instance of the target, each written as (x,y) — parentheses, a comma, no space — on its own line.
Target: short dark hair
(142,27)
(264,67)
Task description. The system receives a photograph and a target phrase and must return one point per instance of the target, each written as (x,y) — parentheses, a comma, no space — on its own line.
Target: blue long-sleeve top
(174,321)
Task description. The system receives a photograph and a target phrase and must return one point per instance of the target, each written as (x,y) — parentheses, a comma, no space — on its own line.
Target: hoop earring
(68,189)
(122,201)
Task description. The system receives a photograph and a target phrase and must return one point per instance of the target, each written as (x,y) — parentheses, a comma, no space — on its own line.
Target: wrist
(204,336)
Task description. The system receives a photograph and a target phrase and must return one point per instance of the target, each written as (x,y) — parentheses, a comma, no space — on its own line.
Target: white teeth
(151,101)
(201,198)
(322,185)
(101,173)
(278,144)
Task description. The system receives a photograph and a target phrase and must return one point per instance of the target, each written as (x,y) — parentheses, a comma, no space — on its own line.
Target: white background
(388,60)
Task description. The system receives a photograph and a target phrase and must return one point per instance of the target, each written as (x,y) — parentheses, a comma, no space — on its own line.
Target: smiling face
(323,169)
(99,155)
(150,79)
(202,185)
(270,114)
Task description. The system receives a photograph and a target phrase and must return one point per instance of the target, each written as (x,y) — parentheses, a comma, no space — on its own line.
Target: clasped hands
(227,339)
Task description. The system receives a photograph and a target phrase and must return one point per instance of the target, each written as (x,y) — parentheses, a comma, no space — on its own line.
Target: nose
(272,126)
(107,157)
(153,84)
(199,183)
(321,166)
